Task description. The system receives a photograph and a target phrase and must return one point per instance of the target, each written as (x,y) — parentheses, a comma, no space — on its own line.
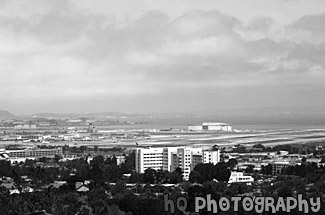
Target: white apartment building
(188,158)
(211,157)
(154,158)
(169,158)
(236,177)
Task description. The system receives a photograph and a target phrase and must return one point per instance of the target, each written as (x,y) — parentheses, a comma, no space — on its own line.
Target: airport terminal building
(211,126)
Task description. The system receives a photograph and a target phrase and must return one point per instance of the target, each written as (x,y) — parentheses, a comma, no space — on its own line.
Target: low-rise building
(278,165)
(239,177)
(35,152)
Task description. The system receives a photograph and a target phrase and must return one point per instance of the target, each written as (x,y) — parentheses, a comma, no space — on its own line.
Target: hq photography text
(249,204)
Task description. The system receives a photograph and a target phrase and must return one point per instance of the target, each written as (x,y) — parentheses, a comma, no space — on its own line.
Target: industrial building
(170,158)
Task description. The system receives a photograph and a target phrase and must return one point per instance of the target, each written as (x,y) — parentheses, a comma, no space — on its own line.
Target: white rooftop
(214,123)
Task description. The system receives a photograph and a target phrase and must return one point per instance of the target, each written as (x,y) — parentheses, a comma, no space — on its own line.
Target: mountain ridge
(4,114)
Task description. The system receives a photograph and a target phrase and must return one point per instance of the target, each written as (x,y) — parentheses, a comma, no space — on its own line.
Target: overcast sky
(160,56)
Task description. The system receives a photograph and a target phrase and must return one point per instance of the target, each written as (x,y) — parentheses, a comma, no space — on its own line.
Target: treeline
(105,170)
(204,172)
(44,171)
(86,149)
(304,170)
(292,149)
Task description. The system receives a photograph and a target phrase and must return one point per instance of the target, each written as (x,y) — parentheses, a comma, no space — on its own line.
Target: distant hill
(6,115)
(267,115)
(76,115)
(312,115)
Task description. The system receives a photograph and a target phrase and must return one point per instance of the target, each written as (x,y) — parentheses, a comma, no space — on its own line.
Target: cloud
(64,53)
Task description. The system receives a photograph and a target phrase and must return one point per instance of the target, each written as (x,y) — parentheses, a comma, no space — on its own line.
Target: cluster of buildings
(278,160)
(211,126)
(71,134)
(8,183)
(170,158)
(186,158)
(24,127)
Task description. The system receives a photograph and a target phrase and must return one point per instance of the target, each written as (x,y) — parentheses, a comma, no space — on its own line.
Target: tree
(285,192)
(99,207)
(98,160)
(259,146)
(215,147)
(267,170)
(303,160)
(195,191)
(112,173)
(129,165)
(249,169)
(180,172)
(57,158)
(119,188)
(211,188)
(83,171)
(95,194)
(67,204)
(129,203)
(161,175)
(195,177)
(207,171)
(42,159)
(96,174)
(232,163)
(73,179)
(149,176)
(114,210)
(220,187)
(322,160)
(5,168)
(223,175)
(84,211)
(135,177)
(114,160)
(173,177)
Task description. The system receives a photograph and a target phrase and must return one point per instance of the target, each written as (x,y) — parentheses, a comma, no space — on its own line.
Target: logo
(249,204)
